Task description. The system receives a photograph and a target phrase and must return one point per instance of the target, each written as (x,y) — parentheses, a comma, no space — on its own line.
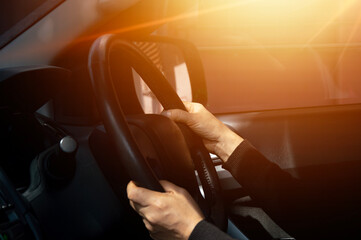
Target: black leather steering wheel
(116,125)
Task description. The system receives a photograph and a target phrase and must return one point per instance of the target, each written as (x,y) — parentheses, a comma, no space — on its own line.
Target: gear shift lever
(60,166)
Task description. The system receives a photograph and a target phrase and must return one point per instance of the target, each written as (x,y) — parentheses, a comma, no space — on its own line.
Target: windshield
(261,54)
(17,15)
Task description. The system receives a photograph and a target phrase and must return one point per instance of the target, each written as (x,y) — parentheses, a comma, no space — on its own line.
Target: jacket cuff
(235,161)
(205,230)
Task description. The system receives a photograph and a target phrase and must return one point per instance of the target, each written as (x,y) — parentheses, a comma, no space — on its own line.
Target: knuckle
(191,107)
(152,219)
(159,204)
(198,106)
(175,114)
(148,225)
(131,194)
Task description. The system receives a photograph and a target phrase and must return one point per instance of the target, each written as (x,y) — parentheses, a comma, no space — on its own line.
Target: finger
(188,105)
(194,107)
(170,187)
(147,213)
(178,115)
(131,203)
(151,227)
(141,196)
(132,190)
(137,207)
(148,225)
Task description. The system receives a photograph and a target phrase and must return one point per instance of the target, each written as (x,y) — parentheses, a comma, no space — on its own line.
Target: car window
(18,15)
(261,55)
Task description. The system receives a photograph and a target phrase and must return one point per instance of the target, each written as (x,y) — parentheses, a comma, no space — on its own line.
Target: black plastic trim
(28,21)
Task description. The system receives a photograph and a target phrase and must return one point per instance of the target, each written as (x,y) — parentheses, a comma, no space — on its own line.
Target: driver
(175,215)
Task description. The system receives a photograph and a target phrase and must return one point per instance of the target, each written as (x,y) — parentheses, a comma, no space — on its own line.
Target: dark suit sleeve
(205,230)
(283,197)
(265,182)
(304,209)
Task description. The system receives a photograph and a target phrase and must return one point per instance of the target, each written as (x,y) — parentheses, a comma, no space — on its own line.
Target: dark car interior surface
(83,83)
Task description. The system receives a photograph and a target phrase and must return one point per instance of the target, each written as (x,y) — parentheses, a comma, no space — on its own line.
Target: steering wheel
(179,136)
(18,222)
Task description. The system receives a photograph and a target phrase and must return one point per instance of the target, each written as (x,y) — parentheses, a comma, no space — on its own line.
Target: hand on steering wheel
(217,137)
(116,125)
(169,215)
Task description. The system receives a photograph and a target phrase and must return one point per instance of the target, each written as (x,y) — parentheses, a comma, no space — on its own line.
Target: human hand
(217,137)
(169,215)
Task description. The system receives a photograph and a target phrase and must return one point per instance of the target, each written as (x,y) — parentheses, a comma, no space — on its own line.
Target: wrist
(227,144)
(191,227)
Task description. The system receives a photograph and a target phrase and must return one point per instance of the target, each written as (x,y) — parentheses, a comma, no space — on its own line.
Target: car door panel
(320,146)
(302,137)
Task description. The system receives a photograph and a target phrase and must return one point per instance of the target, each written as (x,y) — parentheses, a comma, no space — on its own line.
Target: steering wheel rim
(118,129)
(15,201)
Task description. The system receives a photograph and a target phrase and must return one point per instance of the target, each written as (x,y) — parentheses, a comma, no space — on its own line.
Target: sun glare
(281,21)
(258,22)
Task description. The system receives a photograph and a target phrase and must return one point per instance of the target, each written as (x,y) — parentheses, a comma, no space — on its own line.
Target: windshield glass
(261,54)
(17,15)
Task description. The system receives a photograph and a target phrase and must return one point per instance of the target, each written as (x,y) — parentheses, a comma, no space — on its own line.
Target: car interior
(83,84)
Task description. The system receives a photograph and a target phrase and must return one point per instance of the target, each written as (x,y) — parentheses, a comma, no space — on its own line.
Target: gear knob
(60,166)
(68,145)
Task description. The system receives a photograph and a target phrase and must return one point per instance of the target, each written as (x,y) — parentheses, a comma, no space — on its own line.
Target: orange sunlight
(265,22)
(261,22)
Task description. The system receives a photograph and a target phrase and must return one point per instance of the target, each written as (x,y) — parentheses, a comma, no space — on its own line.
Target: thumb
(141,196)
(178,115)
